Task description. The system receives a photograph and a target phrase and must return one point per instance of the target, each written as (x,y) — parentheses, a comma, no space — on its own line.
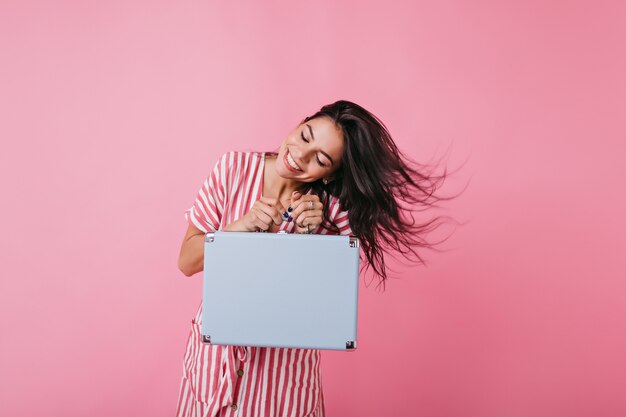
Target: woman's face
(311,151)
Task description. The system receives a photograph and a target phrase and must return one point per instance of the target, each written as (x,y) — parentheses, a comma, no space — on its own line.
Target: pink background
(112,114)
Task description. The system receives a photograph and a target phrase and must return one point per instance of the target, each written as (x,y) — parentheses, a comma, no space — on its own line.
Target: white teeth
(292,162)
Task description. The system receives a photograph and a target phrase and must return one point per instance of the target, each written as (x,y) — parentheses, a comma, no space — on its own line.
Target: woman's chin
(283,173)
(288,175)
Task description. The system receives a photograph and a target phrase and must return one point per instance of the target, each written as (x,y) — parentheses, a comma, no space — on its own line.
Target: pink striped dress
(248,381)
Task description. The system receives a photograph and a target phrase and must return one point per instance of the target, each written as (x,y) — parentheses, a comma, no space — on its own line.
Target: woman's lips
(289,167)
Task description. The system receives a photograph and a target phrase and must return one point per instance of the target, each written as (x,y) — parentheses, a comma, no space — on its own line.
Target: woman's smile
(290,163)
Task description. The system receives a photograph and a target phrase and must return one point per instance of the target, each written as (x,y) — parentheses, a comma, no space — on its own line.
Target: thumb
(295,196)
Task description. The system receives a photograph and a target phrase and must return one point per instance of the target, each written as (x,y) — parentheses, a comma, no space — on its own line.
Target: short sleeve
(208,207)
(341,221)
(338,217)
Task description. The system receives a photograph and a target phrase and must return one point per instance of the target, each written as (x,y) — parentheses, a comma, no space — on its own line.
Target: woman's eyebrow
(324,153)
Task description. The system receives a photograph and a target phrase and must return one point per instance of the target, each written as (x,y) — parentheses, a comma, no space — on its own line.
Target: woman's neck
(275,186)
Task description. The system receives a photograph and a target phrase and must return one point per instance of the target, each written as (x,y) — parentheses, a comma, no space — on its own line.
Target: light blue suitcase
(280,290)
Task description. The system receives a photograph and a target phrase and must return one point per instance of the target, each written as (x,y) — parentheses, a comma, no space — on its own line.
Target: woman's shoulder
(334,203)
(336,210)
(234,157)
(239,160)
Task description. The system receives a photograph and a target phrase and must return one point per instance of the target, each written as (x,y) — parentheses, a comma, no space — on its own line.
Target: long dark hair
(380,187)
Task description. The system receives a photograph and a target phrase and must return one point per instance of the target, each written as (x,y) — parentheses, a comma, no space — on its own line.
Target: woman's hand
(306,211)
(263,214)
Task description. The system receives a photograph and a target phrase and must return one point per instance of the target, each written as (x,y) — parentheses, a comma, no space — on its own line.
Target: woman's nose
(300,154)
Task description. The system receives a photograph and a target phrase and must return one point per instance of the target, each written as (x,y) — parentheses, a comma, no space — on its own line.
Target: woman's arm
(191,257)
(204,215)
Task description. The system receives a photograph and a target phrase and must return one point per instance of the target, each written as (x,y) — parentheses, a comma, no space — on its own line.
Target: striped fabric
(247,381)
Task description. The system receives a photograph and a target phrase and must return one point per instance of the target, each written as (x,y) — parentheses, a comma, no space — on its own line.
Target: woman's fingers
(306,204)
(262,216)
(295,196)
(304,200)
(271,209)
(309,218)
(307,213)
(272,202)
(260,225)
(310,224)
(305,210)
(264,212)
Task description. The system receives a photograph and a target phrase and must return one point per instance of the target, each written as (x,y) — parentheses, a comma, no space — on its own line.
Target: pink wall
(112,114)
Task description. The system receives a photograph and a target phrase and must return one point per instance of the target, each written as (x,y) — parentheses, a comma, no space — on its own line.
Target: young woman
(337,172)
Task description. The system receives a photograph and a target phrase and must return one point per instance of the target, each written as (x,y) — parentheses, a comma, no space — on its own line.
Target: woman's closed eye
(316,158)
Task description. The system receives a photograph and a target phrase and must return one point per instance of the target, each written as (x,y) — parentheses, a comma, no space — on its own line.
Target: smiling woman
(344,152)
(337,172)
(314,147)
